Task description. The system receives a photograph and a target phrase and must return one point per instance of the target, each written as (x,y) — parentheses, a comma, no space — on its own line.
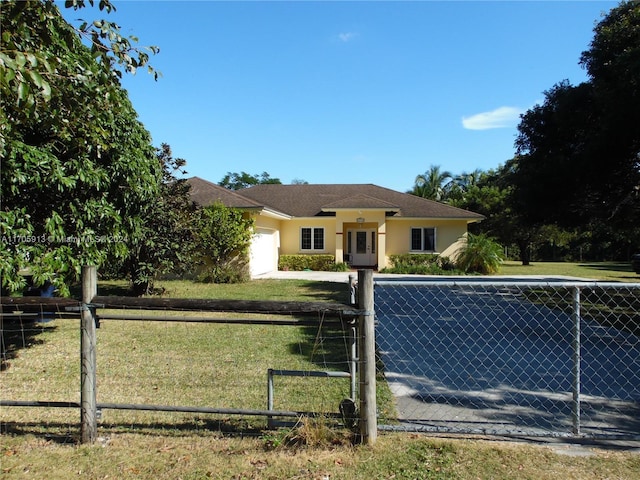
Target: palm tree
(432,184)
(482,255)
(460,185)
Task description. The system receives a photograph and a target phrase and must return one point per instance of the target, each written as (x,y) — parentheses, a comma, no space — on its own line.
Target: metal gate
(511,357)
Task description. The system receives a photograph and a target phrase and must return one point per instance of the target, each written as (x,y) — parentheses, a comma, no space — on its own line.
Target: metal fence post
(352,290)
(368,407)
(353,362)
(88,409)
(575,414)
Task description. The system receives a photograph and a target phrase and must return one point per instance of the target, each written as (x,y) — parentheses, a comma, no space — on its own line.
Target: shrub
(325,263)
(420,264)
(481,255)
(224,235)
(340,267)
(231,270)
(408,260)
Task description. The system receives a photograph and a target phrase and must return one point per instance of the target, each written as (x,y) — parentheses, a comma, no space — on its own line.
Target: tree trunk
(525,251)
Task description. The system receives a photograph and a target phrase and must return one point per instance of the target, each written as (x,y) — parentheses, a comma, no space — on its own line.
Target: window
(423,239)
(312,238)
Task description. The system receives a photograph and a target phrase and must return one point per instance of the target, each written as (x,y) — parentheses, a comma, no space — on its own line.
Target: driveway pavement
(343,277)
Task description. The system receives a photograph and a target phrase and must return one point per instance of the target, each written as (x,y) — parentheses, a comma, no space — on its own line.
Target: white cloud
(502,117)
(347,36)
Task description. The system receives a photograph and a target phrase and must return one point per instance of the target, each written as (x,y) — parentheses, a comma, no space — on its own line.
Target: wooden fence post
(88,409)
(368,406)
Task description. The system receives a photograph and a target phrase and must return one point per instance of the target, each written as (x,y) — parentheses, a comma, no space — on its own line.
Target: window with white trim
(312,238)
(423,239)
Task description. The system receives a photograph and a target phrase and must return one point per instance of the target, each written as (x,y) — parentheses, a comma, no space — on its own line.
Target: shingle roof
(314,200)
(359,201)
(309,200)
(205,193)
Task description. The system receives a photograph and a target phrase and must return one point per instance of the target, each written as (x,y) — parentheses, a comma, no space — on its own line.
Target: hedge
(324,263)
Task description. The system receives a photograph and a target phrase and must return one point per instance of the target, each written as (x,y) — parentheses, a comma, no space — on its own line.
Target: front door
(362,247)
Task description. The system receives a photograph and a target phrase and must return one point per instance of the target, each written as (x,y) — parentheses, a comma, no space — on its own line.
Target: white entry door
(362,245)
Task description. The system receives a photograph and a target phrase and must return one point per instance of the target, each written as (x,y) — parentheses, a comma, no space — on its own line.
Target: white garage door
(263,252)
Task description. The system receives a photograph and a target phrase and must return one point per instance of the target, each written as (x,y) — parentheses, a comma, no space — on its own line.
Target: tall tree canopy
(578,160)
(75,159)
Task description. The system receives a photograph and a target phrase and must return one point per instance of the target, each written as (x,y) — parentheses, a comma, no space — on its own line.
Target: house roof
(316,200)
(206,193)
(360,201)
(312,200)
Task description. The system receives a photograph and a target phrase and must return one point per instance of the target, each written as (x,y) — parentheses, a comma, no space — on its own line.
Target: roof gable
(359,201)
(206,193)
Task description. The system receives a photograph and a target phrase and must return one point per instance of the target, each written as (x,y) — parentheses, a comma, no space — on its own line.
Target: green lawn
(225,366)
(601,271)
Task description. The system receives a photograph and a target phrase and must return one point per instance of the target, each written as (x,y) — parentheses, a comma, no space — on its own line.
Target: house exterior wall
(290,235)
(262,221)
(398,235)
(394,234)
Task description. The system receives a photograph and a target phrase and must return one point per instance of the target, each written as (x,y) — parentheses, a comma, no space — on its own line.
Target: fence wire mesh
(40,363)
(217,366)
(546,359)
(171,359)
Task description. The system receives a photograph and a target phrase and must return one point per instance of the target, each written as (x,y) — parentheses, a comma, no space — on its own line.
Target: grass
(267,289)
(609,308)
(225,365)
(601,271)
(212,455)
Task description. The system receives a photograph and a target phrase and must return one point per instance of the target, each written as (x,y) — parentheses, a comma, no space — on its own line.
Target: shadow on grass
(65,433)
(326,347)
(613,266)
(106,288)
(328,292)
(17,334)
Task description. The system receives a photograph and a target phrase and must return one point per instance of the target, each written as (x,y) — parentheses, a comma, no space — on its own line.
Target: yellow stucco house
(361,224)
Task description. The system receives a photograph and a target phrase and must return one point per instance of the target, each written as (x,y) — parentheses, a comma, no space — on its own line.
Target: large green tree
(490,194)
(75,159)
(579,152)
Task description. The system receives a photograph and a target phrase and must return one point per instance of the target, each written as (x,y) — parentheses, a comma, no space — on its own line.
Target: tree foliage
(75,159)
(238,181)
(432,184)
(223,238)
(165,242)
(579,152)
(575,179)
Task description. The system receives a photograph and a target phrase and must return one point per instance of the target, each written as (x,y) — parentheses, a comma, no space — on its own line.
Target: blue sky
(349,92)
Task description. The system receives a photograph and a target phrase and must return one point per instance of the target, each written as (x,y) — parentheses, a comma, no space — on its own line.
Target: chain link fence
(511,358)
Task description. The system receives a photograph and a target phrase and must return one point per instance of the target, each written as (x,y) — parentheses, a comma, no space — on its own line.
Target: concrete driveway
(343,277)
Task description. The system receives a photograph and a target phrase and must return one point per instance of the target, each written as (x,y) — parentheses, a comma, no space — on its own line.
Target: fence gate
(511,358)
